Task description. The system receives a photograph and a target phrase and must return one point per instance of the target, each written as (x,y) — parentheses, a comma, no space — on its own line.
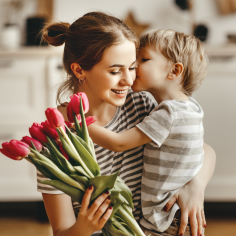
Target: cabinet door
(217,97)
(22,102)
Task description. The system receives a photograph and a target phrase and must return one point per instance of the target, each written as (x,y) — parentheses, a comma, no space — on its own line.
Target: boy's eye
(144,59)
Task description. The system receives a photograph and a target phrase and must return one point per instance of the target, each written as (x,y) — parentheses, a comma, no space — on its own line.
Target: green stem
(72,146)
(131,222)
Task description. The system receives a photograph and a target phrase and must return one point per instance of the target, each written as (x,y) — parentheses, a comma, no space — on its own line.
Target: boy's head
(180,48)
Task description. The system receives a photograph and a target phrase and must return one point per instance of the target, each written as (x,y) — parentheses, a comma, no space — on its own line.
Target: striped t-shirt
(171,159)
(130,163)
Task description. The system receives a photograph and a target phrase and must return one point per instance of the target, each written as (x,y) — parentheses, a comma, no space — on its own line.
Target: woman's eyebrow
(119,65)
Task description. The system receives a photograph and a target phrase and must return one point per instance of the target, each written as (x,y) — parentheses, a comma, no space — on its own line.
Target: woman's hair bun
(55,33)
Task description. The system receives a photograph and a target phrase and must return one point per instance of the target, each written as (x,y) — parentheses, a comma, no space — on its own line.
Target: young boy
(171,66)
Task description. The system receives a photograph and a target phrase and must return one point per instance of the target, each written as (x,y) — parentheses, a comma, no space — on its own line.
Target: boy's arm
(118,142)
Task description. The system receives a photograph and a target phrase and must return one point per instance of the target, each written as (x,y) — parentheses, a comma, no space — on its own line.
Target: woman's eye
(114,72)
(144,59)
(133,68)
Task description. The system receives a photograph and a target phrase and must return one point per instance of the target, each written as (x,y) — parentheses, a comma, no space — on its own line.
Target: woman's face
(109,80)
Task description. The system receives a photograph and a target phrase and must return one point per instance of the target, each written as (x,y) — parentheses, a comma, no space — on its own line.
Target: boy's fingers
(183,223)
(170,203)
(86,199)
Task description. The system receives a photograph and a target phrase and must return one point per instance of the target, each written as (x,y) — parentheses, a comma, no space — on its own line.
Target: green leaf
(33,146)
(85,155)
(68,148)
(125,191)
(74,193)
(81,171)
(101,183)
(117,229)
(85,134)
(62,176)
(41,168)
(69,169)
(77,126)
(81,179)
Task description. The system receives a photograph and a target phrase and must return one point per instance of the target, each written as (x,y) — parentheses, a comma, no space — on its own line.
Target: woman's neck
(102,110)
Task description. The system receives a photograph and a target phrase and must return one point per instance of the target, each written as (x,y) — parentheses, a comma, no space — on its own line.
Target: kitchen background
(29,75)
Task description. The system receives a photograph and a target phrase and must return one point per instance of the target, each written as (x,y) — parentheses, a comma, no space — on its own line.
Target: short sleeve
(157,125)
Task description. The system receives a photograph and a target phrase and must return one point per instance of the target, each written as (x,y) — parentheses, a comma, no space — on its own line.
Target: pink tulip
(70,114)
(36,131)
(36,143)
(89,120)
(15,149)
(68,124)
(63,151)
(48,130)
(55,118)
(74,106)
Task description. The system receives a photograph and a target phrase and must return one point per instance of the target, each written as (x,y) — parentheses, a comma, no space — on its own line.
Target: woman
(99,58)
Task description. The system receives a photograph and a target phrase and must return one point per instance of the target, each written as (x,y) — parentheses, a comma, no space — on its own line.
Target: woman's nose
(128,78)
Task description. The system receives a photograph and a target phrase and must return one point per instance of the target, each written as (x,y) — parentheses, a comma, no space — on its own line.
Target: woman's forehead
(123,53)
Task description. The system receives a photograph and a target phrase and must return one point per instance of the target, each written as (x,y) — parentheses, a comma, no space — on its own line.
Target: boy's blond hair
(179,47)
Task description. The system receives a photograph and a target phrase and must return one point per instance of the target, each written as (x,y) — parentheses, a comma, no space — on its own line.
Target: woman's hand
(93,218)
(191,197)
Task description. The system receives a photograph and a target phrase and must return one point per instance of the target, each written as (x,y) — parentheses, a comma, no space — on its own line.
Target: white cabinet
(22,102)
(217,96)
(26,90)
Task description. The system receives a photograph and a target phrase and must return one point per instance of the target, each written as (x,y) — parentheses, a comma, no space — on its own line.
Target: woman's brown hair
(85,42)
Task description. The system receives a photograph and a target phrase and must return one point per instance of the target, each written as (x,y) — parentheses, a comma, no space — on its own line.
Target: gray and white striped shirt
(172,159)
(137,106)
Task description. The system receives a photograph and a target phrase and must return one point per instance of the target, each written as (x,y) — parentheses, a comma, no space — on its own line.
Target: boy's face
(152,71)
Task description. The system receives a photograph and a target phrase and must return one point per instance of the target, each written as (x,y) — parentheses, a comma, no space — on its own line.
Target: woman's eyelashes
(119,71)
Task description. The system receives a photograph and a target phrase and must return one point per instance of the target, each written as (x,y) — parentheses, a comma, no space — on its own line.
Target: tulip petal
(10,155)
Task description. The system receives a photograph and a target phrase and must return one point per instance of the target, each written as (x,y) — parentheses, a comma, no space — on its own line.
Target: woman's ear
(176,71)
(77,70)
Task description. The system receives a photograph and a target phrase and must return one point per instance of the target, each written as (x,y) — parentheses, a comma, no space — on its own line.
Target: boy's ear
(176,71)
(77,70)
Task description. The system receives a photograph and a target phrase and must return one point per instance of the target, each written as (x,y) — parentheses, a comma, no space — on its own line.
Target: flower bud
(15,149)
(74,106)
(55,118)
(36,131)
(36,143)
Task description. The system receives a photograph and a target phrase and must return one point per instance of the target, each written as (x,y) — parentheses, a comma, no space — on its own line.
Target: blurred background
(30,74)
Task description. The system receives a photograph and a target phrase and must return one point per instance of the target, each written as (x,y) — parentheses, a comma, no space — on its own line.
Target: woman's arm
(191,197)
(118,142)
(62,218)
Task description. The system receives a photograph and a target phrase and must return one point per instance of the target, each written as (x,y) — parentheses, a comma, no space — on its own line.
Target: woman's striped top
(130,163)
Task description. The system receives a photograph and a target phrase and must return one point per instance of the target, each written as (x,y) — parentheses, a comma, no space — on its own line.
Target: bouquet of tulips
(68,160)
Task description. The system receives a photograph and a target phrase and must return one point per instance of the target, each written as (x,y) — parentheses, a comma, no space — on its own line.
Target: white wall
(157,13)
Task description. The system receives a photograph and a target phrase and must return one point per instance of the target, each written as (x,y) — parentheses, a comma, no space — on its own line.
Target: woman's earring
(81,80)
